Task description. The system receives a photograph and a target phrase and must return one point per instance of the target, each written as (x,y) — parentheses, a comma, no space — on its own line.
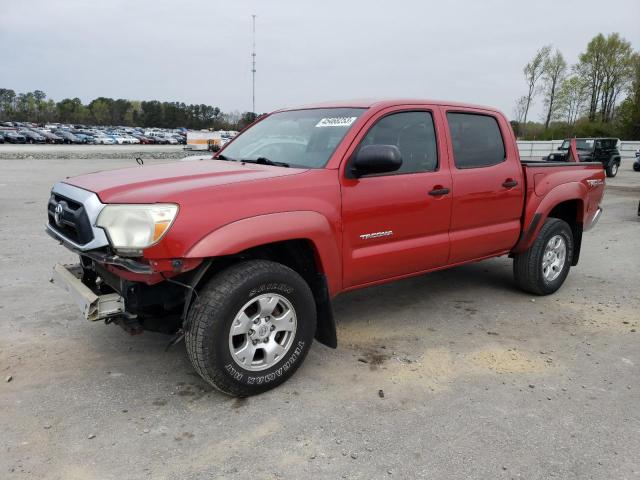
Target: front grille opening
(76,226)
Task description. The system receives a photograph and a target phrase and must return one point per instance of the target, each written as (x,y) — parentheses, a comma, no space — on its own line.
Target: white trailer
(201,140)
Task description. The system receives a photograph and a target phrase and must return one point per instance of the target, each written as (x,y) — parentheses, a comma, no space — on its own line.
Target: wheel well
(571,212)
(301,256)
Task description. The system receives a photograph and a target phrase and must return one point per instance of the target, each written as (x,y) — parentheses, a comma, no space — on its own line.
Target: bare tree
(519,109)
(532,73)
(554,69)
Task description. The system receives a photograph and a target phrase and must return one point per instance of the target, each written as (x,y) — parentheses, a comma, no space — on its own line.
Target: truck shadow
(471,283)
(434,299)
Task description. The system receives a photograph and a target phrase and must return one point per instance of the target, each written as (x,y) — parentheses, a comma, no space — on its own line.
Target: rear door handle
(436,192)
(509,183)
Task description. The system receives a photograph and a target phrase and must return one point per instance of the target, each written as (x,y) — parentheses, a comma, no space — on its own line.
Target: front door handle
(510,183)
(438,191)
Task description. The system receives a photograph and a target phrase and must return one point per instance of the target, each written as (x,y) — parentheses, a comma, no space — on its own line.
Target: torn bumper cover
(93,307)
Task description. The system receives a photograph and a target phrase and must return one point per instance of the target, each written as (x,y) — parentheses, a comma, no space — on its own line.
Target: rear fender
(253,232)
(534,220)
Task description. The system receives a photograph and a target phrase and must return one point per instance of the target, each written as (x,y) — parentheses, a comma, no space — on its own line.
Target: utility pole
(253,67)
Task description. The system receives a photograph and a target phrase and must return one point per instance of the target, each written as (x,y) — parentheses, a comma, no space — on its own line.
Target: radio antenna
(253,67)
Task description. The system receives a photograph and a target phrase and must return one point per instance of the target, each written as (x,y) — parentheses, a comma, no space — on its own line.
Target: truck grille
(69,219)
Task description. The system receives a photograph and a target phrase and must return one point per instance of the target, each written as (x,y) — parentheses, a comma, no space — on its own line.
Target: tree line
(597,96)
(37,108)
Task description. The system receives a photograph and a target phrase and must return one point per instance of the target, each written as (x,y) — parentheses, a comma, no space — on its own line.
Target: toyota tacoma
(241,254)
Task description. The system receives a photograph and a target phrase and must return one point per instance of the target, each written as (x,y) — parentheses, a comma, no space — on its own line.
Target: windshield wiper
(266,161)
(222,157)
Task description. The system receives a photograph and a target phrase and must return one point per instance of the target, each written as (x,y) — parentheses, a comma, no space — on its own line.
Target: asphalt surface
(478,380)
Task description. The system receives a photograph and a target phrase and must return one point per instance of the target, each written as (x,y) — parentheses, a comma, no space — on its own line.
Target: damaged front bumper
(93,306)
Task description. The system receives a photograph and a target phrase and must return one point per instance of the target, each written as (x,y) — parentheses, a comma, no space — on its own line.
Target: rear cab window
(476,140)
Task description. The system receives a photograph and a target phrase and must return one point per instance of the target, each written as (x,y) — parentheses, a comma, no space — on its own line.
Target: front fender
(252,232)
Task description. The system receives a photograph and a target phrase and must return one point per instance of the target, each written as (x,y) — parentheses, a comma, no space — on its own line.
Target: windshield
(581,144)
(300,138)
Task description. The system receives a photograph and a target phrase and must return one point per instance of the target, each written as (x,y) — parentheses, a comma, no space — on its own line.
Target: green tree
(608,68)
(572,99)
(72,111)
(100,113)
(7,103)
(629,111)
(152,114)
(119,109)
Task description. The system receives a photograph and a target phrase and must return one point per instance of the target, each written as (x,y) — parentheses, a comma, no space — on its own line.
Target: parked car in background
(1,138)
(144,139)
(11,136)
(119,139)
(602,150)
(84,138)
(636,163)
(102,139)
(68,137)
(159,139)
(50,137)
(32,136)
(180,139)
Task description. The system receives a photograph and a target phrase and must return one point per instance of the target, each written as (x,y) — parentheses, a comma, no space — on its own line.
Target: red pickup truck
(241,254)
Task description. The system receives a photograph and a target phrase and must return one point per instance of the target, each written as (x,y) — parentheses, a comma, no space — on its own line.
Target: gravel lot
(94,152)
(479,380)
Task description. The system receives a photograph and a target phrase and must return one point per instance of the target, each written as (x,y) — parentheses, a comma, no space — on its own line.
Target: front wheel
(612,169)
(543,268)
(250,327)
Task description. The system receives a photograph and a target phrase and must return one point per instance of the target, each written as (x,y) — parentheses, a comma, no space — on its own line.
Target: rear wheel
(612,169)
(250,327)
(543,268)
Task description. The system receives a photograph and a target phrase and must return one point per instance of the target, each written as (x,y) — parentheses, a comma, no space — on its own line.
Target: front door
(397,223)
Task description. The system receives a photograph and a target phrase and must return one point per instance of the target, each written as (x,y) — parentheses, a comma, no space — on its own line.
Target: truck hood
(169,182)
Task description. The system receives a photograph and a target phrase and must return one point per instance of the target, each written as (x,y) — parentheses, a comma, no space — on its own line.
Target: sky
(199,51)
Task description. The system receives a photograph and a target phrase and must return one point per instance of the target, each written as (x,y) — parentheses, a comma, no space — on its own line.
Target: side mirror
(376,159)
(214,147)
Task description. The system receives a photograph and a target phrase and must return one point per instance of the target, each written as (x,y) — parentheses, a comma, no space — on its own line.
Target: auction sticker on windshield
(336,122)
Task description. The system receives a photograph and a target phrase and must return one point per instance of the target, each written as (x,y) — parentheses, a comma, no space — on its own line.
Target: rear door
(392,225)
(487,184)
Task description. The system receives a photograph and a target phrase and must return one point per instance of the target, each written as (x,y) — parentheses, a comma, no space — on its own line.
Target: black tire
(527,266)
(612,169)
(211,316)
(636,167)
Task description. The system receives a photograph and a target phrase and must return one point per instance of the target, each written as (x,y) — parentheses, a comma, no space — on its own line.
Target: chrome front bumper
(93,307)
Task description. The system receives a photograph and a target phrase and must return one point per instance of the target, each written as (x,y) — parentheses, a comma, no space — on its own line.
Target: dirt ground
(455,374)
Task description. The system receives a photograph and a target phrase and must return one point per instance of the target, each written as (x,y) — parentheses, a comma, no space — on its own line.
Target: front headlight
(131,228)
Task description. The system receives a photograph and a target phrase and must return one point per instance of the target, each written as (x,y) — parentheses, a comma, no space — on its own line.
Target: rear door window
(476,139)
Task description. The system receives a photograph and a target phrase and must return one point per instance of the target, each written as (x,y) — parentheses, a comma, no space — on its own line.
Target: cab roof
(379,104)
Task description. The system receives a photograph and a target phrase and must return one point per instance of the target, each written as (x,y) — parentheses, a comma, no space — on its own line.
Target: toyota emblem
(57,214)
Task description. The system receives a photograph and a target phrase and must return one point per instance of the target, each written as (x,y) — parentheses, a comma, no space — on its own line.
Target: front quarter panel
(276,227)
